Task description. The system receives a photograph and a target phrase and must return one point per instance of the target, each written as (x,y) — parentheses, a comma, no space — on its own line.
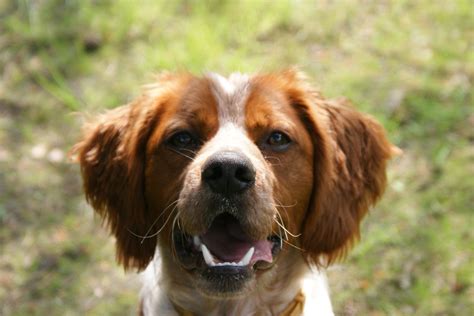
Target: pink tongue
(228,242)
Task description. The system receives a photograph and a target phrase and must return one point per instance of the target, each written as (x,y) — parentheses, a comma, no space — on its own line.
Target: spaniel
(233,191)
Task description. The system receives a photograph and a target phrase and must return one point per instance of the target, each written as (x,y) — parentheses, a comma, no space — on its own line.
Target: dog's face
(222,153)
(227,173)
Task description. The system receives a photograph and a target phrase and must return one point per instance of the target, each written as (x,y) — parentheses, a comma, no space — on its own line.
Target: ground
(408,63)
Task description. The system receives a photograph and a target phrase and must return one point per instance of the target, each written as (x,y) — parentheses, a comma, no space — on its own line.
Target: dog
(233,192)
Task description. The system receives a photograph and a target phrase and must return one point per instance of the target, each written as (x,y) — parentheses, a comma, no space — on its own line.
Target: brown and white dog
(233,191)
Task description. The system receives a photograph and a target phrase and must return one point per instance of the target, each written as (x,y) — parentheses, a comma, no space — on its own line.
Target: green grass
(411,64)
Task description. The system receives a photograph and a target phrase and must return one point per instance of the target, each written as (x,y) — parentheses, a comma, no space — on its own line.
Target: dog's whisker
(159,230)
(285,206)
(157,219)
(164,225)
(173,244)
(281,224)
(279,233)
(279,204)
(293,245)
(276,158)
(179,225)
(188,150)
(182,154)
(286,231)
(286,239)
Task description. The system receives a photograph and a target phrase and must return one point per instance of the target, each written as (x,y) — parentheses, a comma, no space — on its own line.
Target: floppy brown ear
(112,158)
(350,156)
(357,155)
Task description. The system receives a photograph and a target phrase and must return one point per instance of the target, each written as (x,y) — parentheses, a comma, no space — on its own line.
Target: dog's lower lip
(227,270)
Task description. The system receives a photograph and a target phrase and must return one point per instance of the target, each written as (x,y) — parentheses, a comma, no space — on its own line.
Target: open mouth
(225,250)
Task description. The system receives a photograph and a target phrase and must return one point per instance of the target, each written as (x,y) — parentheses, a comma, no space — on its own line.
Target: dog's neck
(173,291)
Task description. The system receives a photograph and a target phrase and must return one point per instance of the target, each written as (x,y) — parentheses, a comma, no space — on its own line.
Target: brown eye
(278,140)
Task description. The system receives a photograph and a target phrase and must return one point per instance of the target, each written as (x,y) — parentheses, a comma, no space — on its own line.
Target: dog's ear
(112,157)
(350,156)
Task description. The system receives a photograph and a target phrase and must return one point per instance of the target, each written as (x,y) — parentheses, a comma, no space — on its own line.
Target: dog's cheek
(293,189)
(163,183)
(261,204)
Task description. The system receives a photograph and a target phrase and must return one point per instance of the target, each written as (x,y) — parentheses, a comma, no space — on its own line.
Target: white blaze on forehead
(230,137)
(231,96)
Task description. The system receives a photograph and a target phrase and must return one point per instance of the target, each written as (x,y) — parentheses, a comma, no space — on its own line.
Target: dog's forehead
(231,96)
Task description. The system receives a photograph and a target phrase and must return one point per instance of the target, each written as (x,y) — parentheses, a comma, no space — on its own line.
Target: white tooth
(197,242)
(207,256)
(223,264)
(246,259)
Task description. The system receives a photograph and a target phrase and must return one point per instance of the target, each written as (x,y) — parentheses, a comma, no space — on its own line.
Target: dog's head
(225,174)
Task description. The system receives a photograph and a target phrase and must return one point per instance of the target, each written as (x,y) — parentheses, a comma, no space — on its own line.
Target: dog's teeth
(207,256)
(197,242)
(246,259)
(209,259)
(222,264)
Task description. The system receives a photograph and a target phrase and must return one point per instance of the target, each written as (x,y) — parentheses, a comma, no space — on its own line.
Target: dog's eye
(278,140)
(183,140)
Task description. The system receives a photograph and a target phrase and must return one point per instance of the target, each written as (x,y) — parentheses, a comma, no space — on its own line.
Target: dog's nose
(228,173)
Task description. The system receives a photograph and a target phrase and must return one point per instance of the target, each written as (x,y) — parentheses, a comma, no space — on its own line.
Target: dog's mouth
(225,253)
(226,244)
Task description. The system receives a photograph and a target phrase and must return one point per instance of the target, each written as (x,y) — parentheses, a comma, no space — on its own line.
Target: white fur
(231,96)
(316,290)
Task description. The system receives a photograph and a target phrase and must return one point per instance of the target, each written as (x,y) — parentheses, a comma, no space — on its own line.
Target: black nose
(228,173)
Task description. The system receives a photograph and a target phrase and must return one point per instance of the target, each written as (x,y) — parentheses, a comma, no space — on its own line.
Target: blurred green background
(409,63)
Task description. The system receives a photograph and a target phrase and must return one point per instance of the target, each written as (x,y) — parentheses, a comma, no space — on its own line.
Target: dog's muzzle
(225,253)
